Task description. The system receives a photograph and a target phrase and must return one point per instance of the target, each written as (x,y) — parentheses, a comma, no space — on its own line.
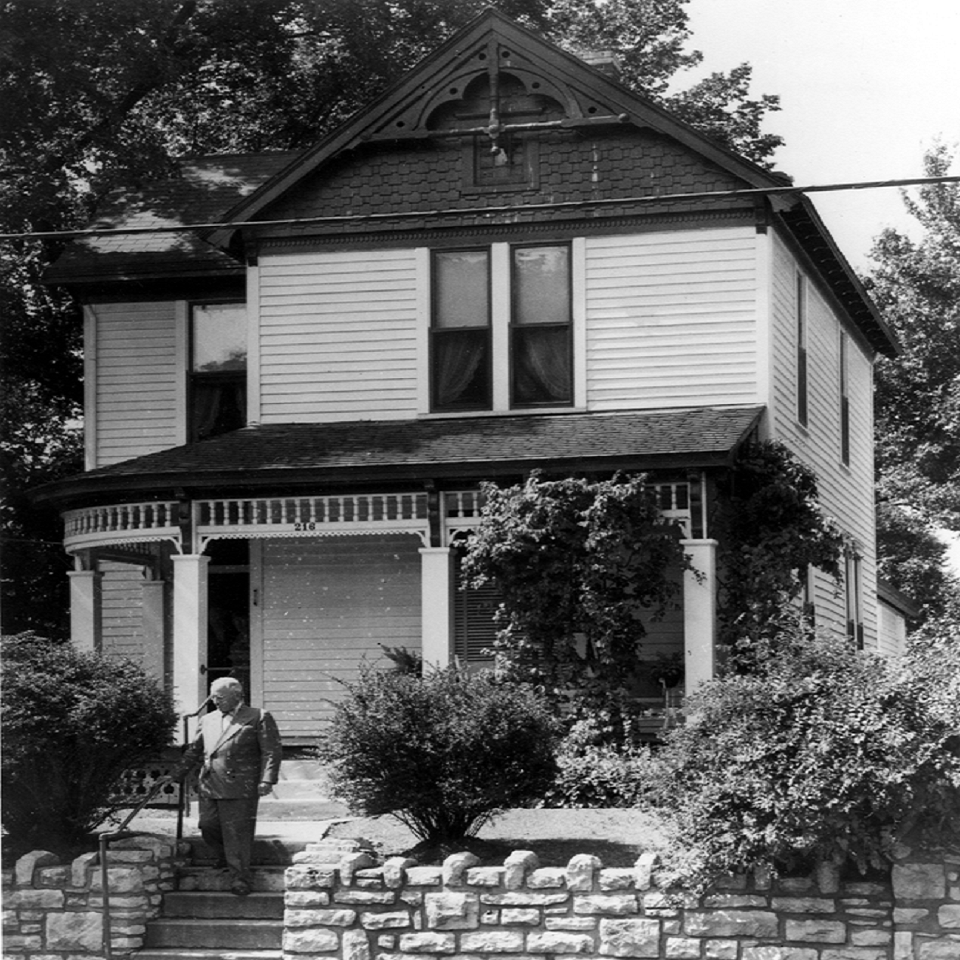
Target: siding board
(671,317)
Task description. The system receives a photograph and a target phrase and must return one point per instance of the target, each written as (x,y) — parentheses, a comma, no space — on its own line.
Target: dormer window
(218,369)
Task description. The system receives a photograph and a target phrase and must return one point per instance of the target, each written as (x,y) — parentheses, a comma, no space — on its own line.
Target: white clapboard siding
(338,336)
(671,319)
(846,492)
(328,604)
(136,379)
(122,611)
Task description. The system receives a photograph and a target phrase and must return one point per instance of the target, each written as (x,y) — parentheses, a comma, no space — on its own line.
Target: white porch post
(189,630)
(699,613)
(436,613)
(153,627)
(85,607)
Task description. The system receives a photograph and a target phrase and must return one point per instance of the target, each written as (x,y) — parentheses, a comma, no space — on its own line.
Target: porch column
(699,614)
(436,607)
(85,607)
(189,630)
(153,627)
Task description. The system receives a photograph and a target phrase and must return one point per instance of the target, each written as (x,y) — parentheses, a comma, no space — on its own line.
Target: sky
(865,87)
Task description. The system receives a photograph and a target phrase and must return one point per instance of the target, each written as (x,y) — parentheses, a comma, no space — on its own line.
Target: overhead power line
(475,211)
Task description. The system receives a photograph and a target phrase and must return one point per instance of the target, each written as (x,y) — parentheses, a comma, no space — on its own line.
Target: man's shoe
(240,888)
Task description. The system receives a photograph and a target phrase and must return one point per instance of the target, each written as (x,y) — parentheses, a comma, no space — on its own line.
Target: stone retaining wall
(54,911)
(350,910)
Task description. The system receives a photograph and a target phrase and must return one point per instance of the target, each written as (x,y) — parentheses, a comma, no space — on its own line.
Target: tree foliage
(823,753)
(580,566)
(96,93)
(916,285)
(771,529)
(73,723)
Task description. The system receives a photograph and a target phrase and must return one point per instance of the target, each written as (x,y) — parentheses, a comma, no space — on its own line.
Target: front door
(228,612)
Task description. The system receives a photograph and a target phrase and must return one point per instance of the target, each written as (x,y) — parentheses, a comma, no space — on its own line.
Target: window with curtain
(802,411)
(541,370)
(460,331)
(218,369)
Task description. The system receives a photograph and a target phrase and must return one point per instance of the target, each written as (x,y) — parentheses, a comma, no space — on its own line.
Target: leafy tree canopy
(916,285)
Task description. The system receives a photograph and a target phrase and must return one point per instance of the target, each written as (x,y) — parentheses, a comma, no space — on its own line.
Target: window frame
(237,378)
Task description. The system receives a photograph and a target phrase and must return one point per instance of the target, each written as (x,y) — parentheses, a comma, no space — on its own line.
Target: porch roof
(409,450)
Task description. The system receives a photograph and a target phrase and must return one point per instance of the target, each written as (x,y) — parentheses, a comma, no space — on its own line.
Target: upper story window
(844,399)
(801,331)
(492,351)
(218,369)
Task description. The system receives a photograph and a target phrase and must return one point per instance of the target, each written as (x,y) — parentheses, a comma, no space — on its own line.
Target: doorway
(228,612)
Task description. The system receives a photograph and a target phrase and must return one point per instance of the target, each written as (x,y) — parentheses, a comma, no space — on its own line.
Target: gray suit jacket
(233,762)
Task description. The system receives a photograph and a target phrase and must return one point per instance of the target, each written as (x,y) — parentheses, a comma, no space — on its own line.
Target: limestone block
(546,878)
(74,932)
(571,923)
(949,916)
(456,865)
(779,953)
(353,862)
(682,948)
(580,871)
(520,915)
(804,905)
(119,855)
(557,942)
(945,949)
(522,898)
(452,911)
(854,953)
(319,918)
(310,941)
(52,876)
(394,919)
(871,938)
(306,898)
(33,899)
(306,877)
(23,871)
(159,846)
(637,937)
(610,904)
(816,931)
(616,878)
(428,942)
(919,881)
(484,876)
(355,945)
(911,915)
(365,897)
(643,870)
(733,901)
(720,950)
(394,870)
(731,923)
(492,941)
(424,876)
(119,880)
(517,866)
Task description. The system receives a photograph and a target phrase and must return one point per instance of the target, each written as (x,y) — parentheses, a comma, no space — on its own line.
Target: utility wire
(476,211)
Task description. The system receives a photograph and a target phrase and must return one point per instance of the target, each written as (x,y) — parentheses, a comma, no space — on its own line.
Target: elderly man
(238,751)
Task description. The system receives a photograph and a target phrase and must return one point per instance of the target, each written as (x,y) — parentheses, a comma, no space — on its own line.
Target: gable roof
(417,450)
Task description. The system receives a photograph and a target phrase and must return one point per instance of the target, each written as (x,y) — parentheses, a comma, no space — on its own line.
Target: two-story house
(508,262)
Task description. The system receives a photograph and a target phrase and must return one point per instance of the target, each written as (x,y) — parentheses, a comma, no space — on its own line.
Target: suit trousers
(228,828)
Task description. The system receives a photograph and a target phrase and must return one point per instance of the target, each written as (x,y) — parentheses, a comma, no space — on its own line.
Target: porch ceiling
(463,448)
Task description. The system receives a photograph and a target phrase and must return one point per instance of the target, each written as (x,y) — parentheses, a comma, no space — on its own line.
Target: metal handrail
(106,838)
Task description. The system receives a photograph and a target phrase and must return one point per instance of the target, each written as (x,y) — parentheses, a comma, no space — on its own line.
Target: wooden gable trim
(583,90)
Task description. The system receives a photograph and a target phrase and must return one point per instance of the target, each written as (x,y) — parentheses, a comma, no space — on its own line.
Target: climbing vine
(771,530)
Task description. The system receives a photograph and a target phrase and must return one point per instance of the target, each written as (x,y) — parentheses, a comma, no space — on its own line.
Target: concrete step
(214,904)
(215,933)
(266,879)
(180,953)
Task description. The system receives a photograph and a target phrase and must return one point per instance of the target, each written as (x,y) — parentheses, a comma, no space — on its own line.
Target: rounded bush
(443,753)
(72,723)
(823,754)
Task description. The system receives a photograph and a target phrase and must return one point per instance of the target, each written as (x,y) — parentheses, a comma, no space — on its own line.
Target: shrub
(592,773)
(823,753)
(443,753)
(72,723)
